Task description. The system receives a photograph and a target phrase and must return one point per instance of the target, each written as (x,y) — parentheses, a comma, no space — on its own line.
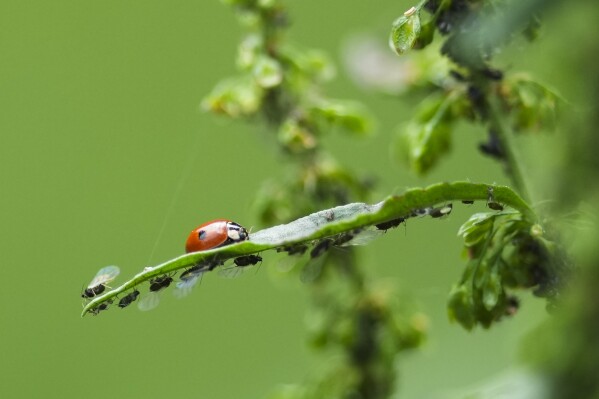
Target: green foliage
(531,105)
(281,83)
(473,84)
(505,252)
(405,31)
(428,136)
(360,319)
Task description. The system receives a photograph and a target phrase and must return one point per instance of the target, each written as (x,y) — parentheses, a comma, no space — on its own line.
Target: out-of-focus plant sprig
(281,86)
(504,252)
(474,91)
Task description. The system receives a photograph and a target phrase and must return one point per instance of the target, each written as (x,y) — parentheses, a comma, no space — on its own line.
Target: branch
(329,223)
(503,135)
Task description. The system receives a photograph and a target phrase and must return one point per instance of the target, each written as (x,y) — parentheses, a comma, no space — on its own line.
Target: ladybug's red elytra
(215,233)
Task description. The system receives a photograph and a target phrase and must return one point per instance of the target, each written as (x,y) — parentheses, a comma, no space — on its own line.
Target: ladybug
(216,233)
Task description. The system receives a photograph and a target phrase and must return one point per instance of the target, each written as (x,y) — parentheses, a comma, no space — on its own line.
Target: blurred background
(99,124)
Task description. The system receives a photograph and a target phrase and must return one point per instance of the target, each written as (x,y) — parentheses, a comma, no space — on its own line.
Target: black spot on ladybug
(202,235)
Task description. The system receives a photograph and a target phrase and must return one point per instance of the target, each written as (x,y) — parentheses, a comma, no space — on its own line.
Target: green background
(99,122)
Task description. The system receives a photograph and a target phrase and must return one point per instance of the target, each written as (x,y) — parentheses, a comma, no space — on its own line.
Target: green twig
(502,133)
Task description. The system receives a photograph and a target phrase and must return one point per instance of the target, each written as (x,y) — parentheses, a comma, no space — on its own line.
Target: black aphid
(390,224)
(247,260)
(128,299)
(160,283)
(320,248)
(441,211)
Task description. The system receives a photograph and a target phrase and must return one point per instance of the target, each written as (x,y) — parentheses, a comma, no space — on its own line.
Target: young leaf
(405,31)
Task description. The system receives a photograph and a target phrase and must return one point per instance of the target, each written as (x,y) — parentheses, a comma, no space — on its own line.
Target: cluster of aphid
(216,233)
(221,232)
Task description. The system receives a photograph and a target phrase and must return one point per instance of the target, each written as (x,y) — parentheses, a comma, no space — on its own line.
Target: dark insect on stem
(128,299)
(420,212)
(343,239)
(478,100)
(493,74)
(93,291)
(294,249)
(491,203)
(160,283)
(493,146)
(496,206)
(103,306)
(247,260)
(98,284)
(390,224)
(320,248)
(441,211)
(192,272)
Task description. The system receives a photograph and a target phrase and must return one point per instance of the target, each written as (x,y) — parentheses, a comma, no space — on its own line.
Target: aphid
(294,249)
(420,212)
(343,239)
(161,282)
(247,260)
(128,299)
(152,298)
(242,264)
(390,224)
(468,202)
(496,206)
(441,211)
(493,74)
(320,248)
(215,233)
(361,237)
(492,147)
(98,284)
(103,306)
(189,279)
(192,272)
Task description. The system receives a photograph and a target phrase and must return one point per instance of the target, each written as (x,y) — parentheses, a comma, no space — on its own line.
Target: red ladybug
(216,233)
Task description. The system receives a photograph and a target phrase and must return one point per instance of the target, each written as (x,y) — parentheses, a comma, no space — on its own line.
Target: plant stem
(511,162)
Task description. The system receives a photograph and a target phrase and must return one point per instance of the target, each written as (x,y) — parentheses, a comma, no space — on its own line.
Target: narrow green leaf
(327,223)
